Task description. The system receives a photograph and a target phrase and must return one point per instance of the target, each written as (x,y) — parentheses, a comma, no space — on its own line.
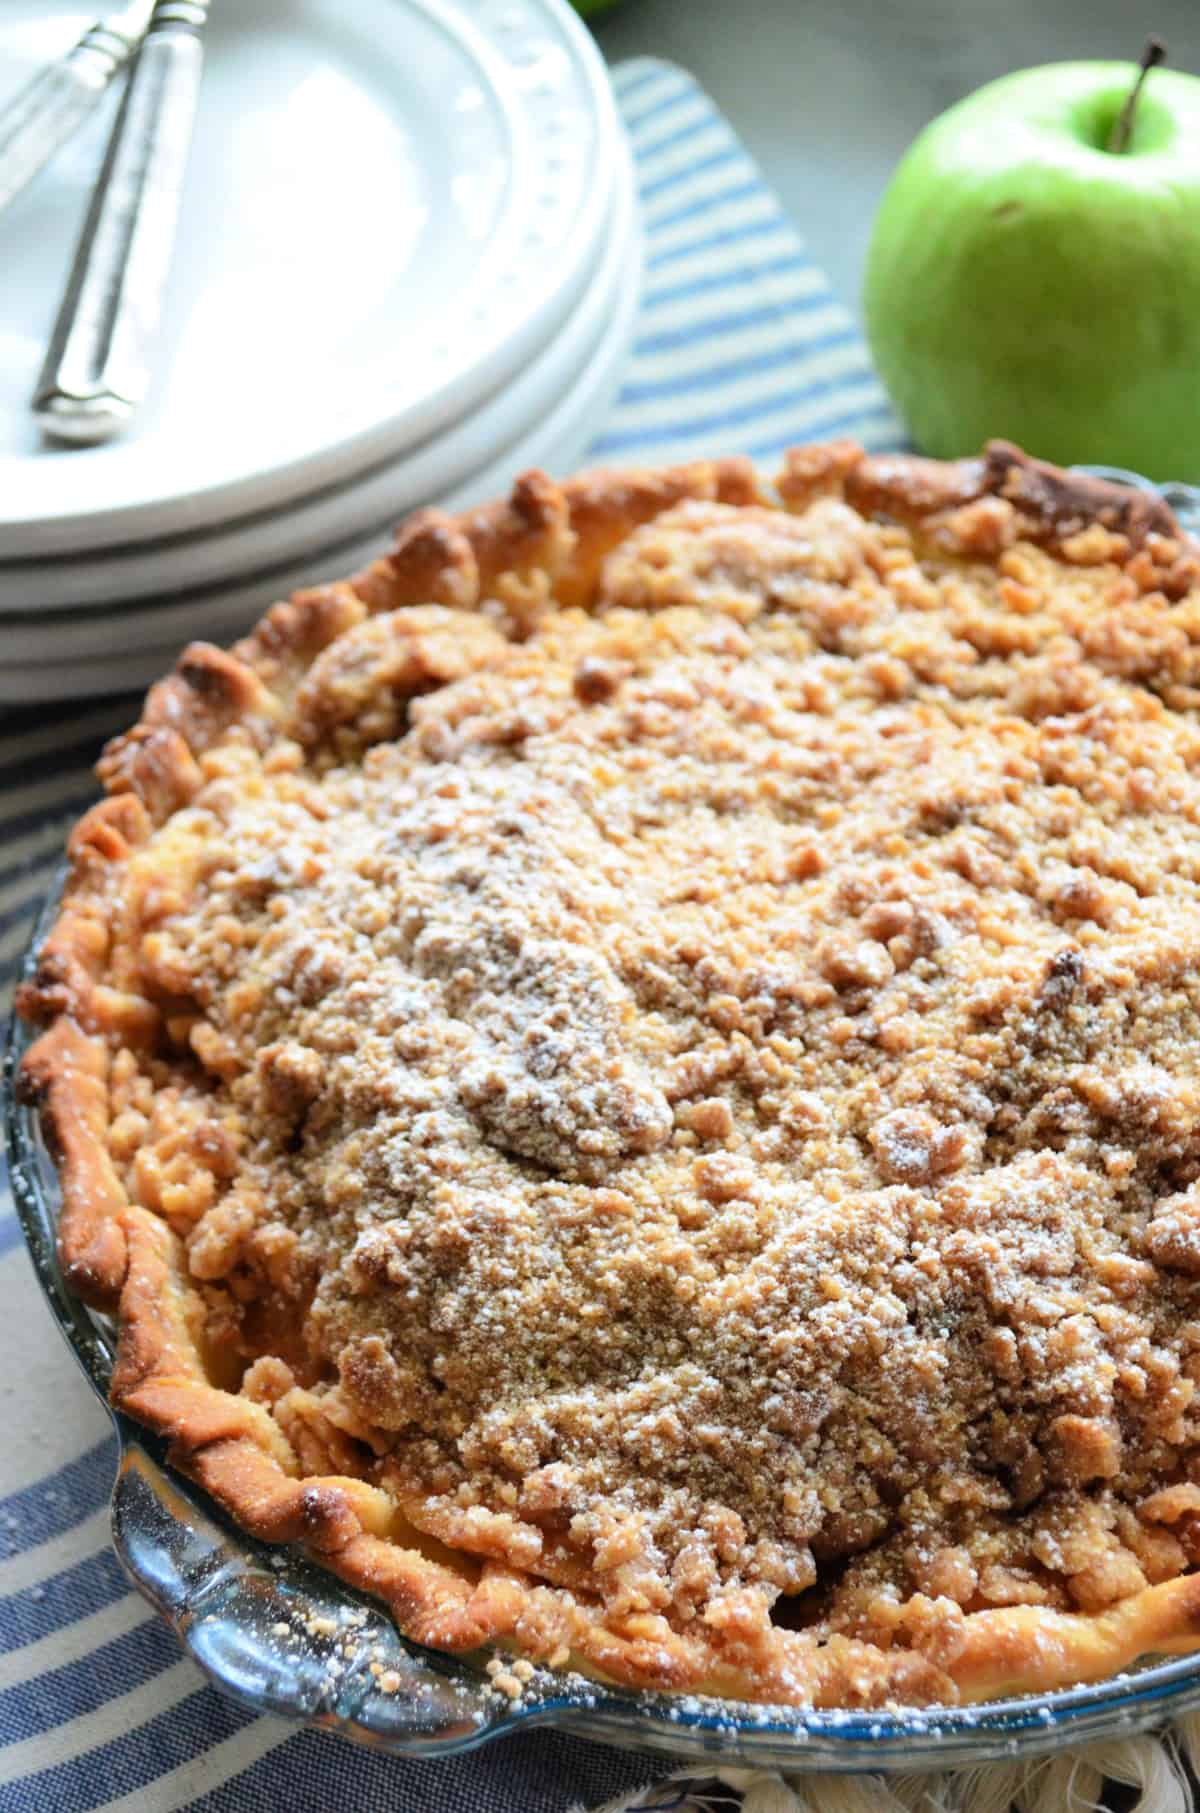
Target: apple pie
(632,1075)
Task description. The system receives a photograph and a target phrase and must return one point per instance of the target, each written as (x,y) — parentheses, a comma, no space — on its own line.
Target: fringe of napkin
(1159,1768)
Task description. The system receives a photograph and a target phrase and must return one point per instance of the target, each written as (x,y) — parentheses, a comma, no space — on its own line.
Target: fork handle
(97,367)
(45,113)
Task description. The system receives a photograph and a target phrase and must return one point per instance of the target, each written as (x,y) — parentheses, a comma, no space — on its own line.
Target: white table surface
(828,93)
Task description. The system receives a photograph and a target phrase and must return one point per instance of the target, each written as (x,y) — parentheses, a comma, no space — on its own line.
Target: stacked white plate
(408,268)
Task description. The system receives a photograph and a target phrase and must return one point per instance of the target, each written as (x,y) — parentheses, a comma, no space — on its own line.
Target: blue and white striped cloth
(740,347)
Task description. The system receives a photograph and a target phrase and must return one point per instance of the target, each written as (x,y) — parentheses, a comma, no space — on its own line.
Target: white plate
(390,207)
(74,658)
(370,502)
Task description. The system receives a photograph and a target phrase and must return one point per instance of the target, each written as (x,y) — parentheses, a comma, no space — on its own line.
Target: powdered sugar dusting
(704,1110)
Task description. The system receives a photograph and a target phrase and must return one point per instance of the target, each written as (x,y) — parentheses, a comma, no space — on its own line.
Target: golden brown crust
(296,683)
(66,1072)
(1054,505)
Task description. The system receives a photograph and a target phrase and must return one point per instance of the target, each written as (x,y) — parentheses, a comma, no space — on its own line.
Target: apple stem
(1118,139)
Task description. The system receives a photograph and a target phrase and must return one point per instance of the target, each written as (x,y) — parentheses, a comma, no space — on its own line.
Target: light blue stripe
(23,769)
(852,421)
(132,1761)
(727,419)
(50,1699)
(654,97)
(78,1591)
(679,136)
(657,110)
(720,160)
(59,1500)
(9,971)
(70,714)
(628,82)
(30,820)
(10,1236)
(669,96)
(705,204)
(27,908)
(775,222)
(717,375)
(531,1772)
(712,282)
(35,862)
(714,327)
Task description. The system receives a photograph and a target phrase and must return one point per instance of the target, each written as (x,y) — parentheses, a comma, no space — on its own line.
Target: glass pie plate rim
(229,1597)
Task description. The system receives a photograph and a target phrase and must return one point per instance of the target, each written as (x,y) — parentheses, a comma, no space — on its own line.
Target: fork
(97,368)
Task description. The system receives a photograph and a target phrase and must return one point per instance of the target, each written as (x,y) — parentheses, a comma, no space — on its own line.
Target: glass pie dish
(281,1636)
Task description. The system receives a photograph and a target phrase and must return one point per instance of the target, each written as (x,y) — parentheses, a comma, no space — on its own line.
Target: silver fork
(98,365)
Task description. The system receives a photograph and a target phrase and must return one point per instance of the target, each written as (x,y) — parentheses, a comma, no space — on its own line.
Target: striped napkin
(740,347)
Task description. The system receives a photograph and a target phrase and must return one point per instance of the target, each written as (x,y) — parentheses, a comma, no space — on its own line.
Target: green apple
(1027,282)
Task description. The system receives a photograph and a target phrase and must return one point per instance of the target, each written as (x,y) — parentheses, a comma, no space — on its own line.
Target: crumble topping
(701,1102)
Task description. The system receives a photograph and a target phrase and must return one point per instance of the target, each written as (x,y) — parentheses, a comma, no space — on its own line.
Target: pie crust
(628,1075)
